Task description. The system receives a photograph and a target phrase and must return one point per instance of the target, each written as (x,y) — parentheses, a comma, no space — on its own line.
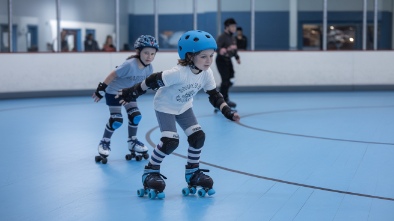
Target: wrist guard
(100,91)
(228,113)
(155,81)
(132,93)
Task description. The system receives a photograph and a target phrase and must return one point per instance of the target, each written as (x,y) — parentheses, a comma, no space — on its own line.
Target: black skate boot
(231,104)
(153,183)
(196,178)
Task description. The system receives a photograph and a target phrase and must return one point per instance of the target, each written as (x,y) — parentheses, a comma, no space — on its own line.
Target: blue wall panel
(272,31)
(140,25)
(207,22)
(386,31)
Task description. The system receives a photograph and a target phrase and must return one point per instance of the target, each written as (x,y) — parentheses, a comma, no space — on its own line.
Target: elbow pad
(216,98)
(154,81)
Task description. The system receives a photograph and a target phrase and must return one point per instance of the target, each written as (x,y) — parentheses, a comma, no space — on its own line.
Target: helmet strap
(192,65)
(139,58)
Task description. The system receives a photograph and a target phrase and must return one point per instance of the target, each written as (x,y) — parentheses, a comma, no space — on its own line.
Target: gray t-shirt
(127,75)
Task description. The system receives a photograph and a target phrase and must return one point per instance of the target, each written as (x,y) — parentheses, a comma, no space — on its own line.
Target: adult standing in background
(91,44)
(108,45)
(64,42)
(242,41)
(227,48)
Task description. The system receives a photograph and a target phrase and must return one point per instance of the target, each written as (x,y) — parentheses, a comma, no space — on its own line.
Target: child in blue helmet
(173,104)
(134,70)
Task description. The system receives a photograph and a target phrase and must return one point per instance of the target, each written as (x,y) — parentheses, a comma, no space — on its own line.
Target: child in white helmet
(134,70)
(173,104)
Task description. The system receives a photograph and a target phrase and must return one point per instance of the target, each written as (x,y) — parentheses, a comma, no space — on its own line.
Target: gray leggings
(185,120)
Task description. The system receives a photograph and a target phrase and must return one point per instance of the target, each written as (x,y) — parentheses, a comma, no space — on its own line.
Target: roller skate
(231,104)
(153,183)
(137,150)
(196,178)
(103,150)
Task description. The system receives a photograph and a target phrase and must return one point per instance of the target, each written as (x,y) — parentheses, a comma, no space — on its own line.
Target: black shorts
(110,100)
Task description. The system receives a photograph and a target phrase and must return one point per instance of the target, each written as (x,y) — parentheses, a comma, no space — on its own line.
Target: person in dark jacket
(227,48)
(242,41)
(91,44)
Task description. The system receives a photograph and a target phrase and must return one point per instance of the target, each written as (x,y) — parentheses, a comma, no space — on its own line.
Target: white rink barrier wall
(62,74)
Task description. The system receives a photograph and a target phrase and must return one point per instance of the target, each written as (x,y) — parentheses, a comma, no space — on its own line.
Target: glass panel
(272,25)
(240,12)
(36,24)
(295,26)
(341,37)
(31,29)
(141,20)
(310,23)
(312,37)
(345,25)
(370,37)
(175,18)
(81,17)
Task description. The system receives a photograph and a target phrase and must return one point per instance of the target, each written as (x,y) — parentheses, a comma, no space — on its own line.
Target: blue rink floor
(293,156)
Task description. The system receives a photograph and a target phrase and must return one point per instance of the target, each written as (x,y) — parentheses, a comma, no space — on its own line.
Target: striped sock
(157,156)
(193,155)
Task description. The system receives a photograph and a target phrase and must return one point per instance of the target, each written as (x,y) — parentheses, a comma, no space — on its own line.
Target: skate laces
(196,175)
(199,172)
(149,171)
(151,175)
(105,145)
(136,142)
(161,175)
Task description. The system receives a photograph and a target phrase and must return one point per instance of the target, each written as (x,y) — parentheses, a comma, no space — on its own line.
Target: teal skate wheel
(161,195)
(201,192)
(141,192)
(185,191)
(152,194)
(211,192)
(193,190)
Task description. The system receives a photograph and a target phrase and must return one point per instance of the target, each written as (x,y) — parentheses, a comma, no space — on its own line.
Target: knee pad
(134,116)
(169,145)
(115,121)
(197,139)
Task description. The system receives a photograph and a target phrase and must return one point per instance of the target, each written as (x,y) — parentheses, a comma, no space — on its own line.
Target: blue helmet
(146,41)
(195,41)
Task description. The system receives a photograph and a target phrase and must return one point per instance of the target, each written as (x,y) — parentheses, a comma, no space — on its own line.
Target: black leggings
(226,71)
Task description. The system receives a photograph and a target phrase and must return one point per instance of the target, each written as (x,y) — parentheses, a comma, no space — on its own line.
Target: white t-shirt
(180,86)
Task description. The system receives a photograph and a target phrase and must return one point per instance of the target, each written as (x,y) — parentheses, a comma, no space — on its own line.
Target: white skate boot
(137,150)
(103,150)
